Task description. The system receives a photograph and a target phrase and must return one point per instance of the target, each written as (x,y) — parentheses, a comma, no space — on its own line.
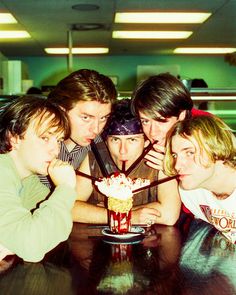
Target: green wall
(213,69)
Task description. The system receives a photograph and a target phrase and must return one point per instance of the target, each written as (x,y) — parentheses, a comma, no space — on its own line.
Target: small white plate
(136,231)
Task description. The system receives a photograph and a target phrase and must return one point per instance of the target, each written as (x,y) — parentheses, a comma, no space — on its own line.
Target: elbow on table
(34,249)
(171,219)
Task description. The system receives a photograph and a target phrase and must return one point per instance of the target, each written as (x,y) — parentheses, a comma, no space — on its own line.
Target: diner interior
(188,259)
(93,24)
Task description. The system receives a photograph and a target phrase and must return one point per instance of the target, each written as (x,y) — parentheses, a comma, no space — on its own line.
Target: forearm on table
(89,213)
(169,201)
(156,212)
(168,214)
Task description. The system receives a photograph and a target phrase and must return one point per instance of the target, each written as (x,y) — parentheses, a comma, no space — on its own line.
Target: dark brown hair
(83,85)
(16,116)
(164,94)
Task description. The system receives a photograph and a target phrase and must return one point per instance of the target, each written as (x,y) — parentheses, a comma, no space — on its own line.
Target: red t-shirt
(196,112)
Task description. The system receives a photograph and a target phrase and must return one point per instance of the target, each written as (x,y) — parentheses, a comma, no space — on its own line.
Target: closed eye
(190,153)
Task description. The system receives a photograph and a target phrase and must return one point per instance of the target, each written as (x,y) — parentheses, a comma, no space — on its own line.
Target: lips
(181,177)
(89,139)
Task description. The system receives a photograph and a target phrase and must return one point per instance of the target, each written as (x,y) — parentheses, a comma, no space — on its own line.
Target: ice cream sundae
(119,190)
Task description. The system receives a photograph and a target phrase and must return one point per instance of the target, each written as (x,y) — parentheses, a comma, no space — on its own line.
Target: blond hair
(212,135)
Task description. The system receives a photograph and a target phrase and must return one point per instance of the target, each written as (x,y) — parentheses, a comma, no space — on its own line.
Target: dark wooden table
(191,258)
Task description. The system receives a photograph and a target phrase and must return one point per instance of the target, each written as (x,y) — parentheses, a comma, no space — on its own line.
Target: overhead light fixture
(14,34)
(87,26)
(76,50)
(161,17)
(7,18)
(204,50)
(151,34)
(85,7)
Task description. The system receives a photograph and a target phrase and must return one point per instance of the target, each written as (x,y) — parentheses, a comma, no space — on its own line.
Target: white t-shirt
(220,213)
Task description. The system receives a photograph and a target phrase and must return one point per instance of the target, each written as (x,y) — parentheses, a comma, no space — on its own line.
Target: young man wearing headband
(125,141)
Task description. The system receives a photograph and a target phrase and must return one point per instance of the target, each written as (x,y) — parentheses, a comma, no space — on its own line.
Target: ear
(182,115)
(14,140)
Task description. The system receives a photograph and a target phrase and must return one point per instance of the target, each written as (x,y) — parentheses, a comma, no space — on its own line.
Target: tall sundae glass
(119,190)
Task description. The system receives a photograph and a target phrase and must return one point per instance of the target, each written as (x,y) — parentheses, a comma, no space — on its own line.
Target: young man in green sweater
(32,222)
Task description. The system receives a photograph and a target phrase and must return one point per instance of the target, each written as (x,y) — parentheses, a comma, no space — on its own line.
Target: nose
(95,127)
(178,164)
(54,147)
(154,130)
(123,148)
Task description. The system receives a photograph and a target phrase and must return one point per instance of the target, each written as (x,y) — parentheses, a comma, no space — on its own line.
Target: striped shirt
(74,157)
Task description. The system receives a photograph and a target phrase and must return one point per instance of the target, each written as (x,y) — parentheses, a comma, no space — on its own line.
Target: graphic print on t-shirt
(222,220)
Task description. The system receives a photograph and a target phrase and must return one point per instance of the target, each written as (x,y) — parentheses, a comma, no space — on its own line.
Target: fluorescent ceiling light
(14,34)
(161,17)
(76,50)
(204,50)
(7,18)
(151,34)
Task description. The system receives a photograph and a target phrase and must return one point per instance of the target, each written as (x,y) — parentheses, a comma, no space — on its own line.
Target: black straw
(154,183)
(131,168)
(99,159)
(123,167)
(87,176)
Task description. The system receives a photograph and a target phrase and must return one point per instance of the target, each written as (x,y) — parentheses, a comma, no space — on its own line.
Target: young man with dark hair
(160,101)
(87,97)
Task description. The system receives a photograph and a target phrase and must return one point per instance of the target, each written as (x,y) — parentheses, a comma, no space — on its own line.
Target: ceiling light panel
(151,34)
(76,50)
(161,17)
(14,34)
(204,50)
(7,18)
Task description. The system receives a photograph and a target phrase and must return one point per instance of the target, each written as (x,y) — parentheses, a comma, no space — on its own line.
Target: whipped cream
(119,186)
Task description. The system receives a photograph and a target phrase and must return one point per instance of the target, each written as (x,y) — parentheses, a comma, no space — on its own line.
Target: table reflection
(208,261)
(188,259)
(133,268)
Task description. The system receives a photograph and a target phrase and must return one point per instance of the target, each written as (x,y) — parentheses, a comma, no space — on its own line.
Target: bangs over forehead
(46,120)
(211,134)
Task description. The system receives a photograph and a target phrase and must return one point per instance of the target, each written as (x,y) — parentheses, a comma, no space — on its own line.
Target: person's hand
(145,216)
(62,173)
(152,239)
(155,157)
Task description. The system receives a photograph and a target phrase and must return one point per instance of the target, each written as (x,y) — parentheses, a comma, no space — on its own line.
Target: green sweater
(27,231)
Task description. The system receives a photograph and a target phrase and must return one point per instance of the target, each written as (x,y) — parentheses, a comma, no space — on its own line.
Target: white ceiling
(48,21)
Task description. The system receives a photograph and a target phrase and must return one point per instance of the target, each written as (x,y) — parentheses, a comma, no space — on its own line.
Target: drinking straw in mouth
(87,176)
(130,169)
(154,183)
(123,167)
(99,159)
